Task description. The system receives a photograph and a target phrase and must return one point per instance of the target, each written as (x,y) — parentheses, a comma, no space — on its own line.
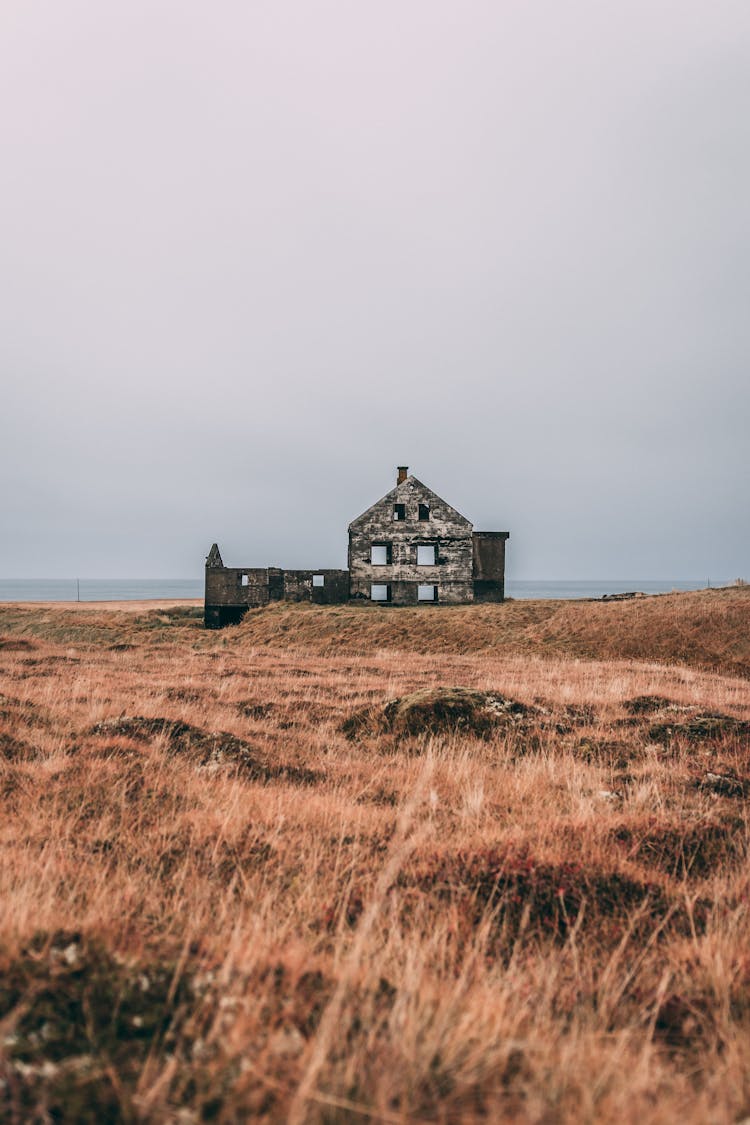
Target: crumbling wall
(232,590)
(323,587)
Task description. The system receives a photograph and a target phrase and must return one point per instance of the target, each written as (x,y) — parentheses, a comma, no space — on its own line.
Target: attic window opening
(244,579)
(427,593)
(424,511)
(319,580)
(379,592)
(426,554)
(399,512)
(380,554)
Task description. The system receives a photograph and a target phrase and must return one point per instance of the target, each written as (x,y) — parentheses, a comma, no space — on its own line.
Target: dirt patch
(22,711)
(701,728)
(204,748)
(17,644)
(185,695)
(684,1021)
(438,711)
(14,749)
(542,898)
(382,796)
(252,710)
(724,784)
(580,715)
(77,1014)
(647,704)
(611,753)
(685,851)
(300,999)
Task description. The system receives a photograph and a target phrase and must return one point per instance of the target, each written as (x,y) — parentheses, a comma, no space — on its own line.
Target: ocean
(137,589)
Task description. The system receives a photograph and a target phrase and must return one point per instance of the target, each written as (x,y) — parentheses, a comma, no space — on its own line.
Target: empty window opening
(245,579)
(399,511)
(427,593)
(424,511)
(380,554)
(319,580)
(426,555)
(379,592)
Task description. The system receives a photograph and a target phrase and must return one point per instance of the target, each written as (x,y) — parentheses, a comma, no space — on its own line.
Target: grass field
(354,863)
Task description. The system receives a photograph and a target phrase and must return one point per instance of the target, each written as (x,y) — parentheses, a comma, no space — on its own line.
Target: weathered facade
(409,548)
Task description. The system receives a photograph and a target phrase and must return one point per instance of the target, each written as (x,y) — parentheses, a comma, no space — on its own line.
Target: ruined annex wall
(489,565)
(232,590)
(446,528)
(299,586)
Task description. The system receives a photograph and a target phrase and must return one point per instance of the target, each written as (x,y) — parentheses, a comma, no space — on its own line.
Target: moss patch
(438,711)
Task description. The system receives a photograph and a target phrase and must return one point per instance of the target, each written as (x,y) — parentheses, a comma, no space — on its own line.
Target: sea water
(142,589)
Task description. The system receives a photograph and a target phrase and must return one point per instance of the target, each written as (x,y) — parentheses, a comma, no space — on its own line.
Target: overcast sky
(255,255)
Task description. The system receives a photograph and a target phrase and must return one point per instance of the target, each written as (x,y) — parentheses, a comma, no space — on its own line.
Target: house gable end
(389,498)
(425,494)
(410,490)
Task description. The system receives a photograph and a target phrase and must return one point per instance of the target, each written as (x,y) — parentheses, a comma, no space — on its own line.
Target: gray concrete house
(409,548)
(412,548)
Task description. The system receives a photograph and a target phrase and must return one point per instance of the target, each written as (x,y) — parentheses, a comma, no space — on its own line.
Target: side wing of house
(232,590)
(489,565)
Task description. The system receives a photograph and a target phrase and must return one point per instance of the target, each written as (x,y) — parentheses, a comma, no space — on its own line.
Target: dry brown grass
(224,900)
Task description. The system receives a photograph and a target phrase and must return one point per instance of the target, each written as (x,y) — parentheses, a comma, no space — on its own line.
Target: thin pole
(78,589)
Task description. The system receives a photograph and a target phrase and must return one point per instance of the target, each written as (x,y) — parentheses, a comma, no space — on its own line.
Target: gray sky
(255,255)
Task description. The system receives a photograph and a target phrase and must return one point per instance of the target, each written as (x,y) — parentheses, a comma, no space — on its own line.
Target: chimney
(403,471)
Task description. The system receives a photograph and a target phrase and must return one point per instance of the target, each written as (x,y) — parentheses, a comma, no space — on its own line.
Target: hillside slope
(707,628)
(354,864)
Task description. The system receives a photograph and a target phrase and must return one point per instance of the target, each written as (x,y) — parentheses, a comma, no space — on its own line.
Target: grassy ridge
(334,864)
(706,628)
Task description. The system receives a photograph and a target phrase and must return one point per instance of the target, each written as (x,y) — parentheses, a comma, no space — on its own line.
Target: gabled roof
(411,488)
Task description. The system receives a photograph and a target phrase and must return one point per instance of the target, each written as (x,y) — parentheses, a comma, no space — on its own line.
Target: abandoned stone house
(409,548)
